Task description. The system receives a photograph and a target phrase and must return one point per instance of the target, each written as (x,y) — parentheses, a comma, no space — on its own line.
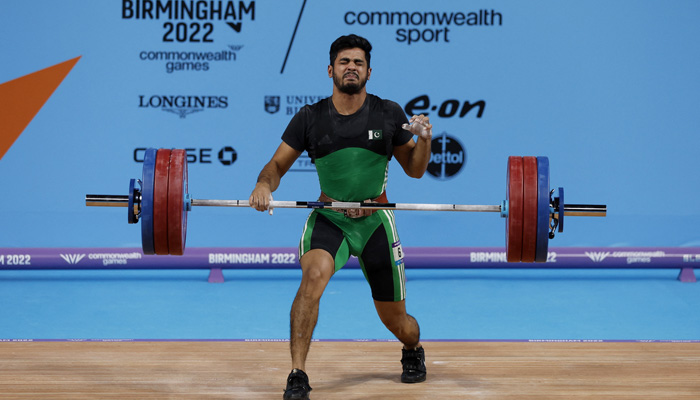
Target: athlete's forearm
(270,176)
(420,156)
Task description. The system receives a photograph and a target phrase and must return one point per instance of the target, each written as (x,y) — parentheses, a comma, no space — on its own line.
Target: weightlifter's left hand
(420,126)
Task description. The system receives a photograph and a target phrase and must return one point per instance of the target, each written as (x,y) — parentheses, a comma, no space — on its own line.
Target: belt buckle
(352,212)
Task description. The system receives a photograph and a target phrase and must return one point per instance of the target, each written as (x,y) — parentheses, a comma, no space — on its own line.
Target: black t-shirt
(320,130)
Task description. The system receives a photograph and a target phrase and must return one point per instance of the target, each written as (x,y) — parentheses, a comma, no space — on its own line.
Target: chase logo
(447,157)
(228,155)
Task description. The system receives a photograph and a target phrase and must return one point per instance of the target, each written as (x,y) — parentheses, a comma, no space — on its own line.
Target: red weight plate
(160,202)
(177,214)
(514,221)
(529,209)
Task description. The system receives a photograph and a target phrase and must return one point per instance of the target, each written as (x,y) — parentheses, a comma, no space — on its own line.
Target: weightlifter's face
(349,71)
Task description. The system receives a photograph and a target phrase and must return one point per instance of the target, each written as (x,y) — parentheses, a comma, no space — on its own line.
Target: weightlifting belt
(355,212)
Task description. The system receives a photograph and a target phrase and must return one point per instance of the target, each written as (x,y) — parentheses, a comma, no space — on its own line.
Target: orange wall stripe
(22,98)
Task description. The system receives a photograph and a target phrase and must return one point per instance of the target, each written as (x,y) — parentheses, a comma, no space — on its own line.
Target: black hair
(350,42)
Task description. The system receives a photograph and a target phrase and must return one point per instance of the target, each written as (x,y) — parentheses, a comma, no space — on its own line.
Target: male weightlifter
(351,137)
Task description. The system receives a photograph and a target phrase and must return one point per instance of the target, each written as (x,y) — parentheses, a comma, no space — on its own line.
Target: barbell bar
(163,202)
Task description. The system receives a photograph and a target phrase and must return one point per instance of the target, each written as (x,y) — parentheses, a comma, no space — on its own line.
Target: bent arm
(414,156)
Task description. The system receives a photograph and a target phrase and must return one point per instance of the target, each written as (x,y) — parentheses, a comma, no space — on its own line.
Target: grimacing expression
(350,72)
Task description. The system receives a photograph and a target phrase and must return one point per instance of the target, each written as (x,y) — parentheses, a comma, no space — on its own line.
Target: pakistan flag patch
(375,134)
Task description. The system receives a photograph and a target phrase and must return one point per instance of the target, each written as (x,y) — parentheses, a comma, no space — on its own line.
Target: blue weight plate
(561,209)
(132,216)
(542,209)
(530,208)
(149,167)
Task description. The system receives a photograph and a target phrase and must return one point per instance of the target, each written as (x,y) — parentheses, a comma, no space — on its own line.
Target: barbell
(162,201)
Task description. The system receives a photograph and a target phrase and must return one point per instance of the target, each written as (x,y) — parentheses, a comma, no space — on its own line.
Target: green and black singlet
(351,154)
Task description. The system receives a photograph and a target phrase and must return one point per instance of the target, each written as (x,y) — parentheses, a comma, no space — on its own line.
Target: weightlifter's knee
(317,269)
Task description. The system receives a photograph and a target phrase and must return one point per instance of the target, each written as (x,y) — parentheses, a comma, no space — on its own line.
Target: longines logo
(183,106)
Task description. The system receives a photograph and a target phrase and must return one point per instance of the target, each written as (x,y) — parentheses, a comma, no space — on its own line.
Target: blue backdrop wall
(607,90)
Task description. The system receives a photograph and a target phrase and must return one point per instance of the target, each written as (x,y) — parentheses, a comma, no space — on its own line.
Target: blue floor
(254,304)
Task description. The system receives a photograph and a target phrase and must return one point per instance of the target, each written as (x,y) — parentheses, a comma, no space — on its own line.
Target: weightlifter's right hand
(261,197)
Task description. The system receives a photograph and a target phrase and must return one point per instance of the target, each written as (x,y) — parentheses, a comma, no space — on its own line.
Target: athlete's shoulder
(319,105)
(386,103)
(310,111)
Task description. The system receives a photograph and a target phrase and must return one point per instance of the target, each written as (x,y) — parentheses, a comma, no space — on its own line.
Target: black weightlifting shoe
(297,386)
(413,362)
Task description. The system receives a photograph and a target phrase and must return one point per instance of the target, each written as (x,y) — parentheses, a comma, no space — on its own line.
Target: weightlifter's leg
(394,316)
(317,269)
(382,262)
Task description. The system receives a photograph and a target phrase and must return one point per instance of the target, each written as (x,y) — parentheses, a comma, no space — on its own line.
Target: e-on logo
(447,157)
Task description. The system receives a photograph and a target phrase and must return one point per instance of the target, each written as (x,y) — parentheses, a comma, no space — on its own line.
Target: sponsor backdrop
(607,90)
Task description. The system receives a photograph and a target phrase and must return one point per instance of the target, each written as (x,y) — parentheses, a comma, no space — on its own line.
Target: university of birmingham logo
(272,104)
